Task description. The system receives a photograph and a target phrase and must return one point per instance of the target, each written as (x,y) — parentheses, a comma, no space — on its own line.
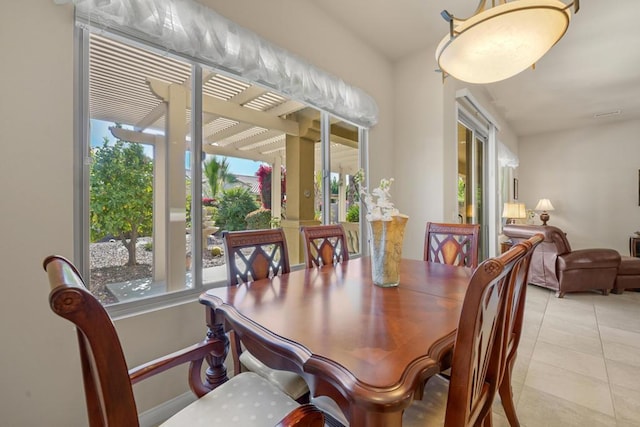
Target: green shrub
(211,211)
(216,251)
(353,213)
(148,246)
(259,219)
(188,207)
(235,204)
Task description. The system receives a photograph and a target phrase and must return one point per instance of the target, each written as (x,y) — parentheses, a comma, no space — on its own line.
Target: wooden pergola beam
(133,136)
(230,110)
(151,117)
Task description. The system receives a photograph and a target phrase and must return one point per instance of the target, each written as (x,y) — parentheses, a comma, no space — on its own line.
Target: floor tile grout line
(537,336)
(604,358)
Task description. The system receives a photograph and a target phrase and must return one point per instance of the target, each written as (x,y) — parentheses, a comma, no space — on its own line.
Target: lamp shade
(502,41)
(544,205)
(514,210)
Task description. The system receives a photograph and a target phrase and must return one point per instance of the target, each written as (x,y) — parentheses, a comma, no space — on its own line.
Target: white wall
(418,147)
(39,373)
(425,149)
(591,177)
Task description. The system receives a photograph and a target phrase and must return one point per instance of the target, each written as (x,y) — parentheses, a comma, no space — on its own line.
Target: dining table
(367,347)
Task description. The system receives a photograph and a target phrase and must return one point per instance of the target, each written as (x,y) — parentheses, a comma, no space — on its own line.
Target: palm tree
(217,174)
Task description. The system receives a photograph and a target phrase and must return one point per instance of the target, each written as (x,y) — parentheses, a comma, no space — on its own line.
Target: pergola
(152,94)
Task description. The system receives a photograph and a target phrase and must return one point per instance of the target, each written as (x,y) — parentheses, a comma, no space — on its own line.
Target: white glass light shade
(544,205)
(514,210)
(500,42)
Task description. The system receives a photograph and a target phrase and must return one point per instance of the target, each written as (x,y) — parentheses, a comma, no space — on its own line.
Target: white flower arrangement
(378,203)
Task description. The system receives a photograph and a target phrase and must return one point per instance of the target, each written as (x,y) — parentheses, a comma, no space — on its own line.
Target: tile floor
(578,362)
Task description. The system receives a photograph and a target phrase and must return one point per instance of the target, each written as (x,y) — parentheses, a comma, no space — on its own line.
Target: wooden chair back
(517,301)
(478,355)
(513,330)
(324,245)
(108,381)
(255,254)
(453,244)
(108,391)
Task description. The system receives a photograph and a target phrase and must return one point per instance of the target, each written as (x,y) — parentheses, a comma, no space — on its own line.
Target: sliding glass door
(472,148)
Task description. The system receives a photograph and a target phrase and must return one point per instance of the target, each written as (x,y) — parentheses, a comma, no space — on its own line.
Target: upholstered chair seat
(245,400)
(289,382)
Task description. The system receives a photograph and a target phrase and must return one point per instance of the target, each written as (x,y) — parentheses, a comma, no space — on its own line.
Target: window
(175,152)
(472,178)
(478,183)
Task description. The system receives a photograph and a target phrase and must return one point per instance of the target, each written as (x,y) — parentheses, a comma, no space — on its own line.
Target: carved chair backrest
(478,356)
(453,244)
(255,254)
(324,245)
(516,302)
(108,392)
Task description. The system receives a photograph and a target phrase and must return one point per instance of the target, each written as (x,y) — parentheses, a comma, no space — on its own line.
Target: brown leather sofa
(555,266)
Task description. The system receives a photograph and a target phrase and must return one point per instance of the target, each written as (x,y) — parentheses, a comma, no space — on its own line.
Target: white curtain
(189,28)
(506,158)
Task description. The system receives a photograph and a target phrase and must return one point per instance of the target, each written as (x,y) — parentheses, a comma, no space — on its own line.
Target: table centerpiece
(386,227)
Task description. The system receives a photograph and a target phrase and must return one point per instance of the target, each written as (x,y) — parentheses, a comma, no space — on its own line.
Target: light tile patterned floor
(579,361)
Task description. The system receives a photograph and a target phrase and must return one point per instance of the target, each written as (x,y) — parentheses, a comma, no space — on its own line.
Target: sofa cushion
(589,258)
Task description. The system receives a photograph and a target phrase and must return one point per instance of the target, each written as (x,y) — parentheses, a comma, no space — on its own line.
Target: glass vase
(385,244)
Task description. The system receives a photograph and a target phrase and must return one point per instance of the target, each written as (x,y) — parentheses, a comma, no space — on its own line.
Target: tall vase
(385,244)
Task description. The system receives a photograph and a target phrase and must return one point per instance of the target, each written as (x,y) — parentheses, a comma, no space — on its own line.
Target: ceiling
(593,70)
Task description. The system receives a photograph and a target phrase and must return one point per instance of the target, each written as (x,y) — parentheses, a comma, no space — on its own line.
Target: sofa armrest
(588,259)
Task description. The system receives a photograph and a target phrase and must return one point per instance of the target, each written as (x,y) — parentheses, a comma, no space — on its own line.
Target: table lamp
(513,211)
(544,205)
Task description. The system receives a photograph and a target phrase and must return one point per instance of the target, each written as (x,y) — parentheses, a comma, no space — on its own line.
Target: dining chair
(513,330)
(478,356)
(253,255)
(453,244)
(324,245)
(246,399)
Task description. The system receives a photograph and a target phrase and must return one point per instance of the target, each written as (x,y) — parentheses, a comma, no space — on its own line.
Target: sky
(100,129)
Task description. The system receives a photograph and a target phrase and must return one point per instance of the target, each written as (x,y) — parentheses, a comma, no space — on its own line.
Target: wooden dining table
(366,347)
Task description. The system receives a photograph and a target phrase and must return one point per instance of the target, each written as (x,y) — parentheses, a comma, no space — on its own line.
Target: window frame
(82,171)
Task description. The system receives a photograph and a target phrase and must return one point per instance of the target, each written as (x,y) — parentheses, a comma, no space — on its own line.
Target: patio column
(175,187)
(342,198)
(300,192)
(276,188)
(159,211)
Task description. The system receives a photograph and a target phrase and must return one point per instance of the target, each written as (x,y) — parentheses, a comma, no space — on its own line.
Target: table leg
(216,374)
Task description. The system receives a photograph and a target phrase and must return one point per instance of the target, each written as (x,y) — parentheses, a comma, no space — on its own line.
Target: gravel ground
(109,259)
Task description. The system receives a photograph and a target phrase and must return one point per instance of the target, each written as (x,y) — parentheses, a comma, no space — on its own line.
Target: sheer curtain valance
(506,158)
(189,28)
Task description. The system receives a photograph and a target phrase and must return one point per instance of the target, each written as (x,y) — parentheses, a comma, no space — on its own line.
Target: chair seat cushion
(289,382)
(260,404)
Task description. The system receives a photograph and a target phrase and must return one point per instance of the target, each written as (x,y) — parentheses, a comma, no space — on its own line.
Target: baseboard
(159,414)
